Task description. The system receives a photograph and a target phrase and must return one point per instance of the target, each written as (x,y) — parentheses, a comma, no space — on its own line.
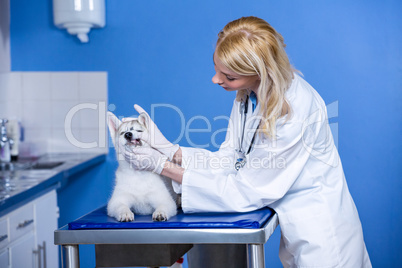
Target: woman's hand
(144,158)
(154,136)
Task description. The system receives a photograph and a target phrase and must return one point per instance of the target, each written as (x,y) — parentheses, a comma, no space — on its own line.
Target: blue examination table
(125,244)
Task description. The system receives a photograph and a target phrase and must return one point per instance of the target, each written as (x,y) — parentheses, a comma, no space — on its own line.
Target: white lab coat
(299,175)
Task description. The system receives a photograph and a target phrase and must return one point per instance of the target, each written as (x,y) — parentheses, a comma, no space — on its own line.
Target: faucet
(5,142)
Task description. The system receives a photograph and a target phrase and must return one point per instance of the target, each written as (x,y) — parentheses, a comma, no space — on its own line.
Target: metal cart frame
(253,238)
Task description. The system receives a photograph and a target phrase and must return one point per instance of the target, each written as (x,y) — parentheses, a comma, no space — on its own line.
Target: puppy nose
(128,136)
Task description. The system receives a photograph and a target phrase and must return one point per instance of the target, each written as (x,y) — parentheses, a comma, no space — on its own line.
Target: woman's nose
(216,80)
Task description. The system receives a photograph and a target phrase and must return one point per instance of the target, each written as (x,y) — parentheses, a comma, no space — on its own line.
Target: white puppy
(141,192)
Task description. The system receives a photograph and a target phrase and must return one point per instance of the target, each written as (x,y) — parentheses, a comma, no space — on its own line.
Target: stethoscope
(241,161)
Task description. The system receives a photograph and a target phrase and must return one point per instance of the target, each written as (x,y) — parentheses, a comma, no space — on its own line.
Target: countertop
(20,186)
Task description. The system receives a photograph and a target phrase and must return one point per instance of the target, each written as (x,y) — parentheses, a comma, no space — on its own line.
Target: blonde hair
(250,46)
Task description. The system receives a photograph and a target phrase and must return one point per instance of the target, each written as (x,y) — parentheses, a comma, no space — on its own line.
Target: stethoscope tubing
(243,118)
(242,124)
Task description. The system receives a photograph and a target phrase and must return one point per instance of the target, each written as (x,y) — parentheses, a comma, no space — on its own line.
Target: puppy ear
(113,123)
(144,119)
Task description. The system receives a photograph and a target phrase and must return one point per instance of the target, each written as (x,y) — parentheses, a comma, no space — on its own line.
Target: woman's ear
(143,118)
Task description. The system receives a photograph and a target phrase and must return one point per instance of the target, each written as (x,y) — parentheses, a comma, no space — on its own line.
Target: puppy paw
(126,216)
(159,216)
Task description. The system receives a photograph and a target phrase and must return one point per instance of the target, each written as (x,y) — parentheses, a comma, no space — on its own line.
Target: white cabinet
(4,237)
(21,221)
(4,258)
(26,234)
(21,252)
(46,215)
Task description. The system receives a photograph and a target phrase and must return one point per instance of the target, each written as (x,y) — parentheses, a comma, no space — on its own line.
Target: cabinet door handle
(3,237)
(38,252)
(24,224)
(44,254)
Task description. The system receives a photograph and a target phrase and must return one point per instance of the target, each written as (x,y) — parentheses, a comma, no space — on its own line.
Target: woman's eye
(230,78)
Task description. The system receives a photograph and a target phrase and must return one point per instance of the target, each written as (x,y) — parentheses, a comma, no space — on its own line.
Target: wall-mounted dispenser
(79,16)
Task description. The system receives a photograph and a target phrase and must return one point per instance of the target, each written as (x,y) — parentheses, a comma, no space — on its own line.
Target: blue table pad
(98,219)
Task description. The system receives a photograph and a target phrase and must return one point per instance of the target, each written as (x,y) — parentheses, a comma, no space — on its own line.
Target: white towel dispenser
(79,16)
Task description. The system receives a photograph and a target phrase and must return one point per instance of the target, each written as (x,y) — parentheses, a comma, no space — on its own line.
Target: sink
(29,165)
(12,178)
(46,165)
(10,166)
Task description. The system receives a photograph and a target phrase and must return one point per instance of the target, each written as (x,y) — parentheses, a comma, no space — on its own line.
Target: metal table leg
(72,257)
(255,256)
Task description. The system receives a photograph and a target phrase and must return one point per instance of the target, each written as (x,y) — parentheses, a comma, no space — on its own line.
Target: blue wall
(161,52)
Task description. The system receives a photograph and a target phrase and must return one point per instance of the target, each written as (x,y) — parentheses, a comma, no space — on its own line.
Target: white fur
(137,192)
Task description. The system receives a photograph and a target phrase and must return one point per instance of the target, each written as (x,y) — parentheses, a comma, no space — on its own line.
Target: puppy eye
(140,130)
(121,133)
